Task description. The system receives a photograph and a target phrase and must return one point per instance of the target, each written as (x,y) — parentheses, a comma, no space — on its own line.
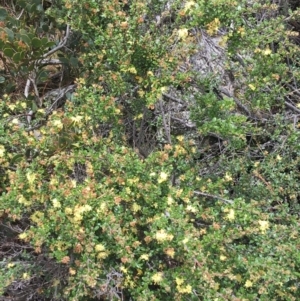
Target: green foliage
(209,220)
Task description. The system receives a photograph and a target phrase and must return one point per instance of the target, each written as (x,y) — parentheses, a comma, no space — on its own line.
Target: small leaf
(25,39)
(74,61)
(23,31)
(17,57)
(40,8)
(32,8)
(3,14)
(22,3)
(36,43)
(64,60)
(44,42)
(16,158)
(10,33)
(2,79)
(9,52)
(50,44)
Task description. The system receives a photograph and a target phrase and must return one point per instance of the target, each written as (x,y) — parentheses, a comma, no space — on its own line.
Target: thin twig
(36,92)
(213,197)
(290,106)
(44,62)
(20,15)
(61,44)
(168,96)
(167,131)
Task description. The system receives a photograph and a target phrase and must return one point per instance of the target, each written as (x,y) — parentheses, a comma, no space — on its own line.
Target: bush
(100,196)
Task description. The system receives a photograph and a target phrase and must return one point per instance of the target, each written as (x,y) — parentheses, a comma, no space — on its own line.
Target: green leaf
(17,158)
(45,27)
(22,3)
(36,43)
(9,52)
(44,42)
(64,60)
(23,31)
(32,8)
(49,44)
(10,34)
(3,14)
(30,67)
(17,57)
(25,39)
(74,61)
(2,79)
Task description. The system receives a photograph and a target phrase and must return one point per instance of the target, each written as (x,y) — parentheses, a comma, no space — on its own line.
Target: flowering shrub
(87,213)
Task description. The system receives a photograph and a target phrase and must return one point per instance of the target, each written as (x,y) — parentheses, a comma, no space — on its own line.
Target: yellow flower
(162,177)
(99,248)
(267,51)
(241,31)
(144,257)
(132,70)
(30,177)
(179,281)
(170,252)
(181,289)
(22,200)
(26,276)
(170,200)
(248,283)
(123,269)
(10,265)
(185,241)
(183,33)
(180,138)
(12,106)
(86,208)
(136,207)
(77,119)
(252,87)
(2,151)
(58,124)
(231,215)
(68,210)
(158,277)
(189,5)
(56,203)
(162,236)
(23,235)
(228,177)
(102,255)
(184,290)
(190,208)
(150,73)
(213,26)
(223,257)
(263,226)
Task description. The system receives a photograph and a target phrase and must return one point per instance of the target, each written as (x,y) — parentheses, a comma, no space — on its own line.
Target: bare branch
(45,62)
(167,130)
(213,197)
(50,62)
(290,106)
(61,44)
(168,96)
(27,87)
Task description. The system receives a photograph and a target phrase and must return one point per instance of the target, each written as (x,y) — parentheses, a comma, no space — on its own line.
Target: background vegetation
(149,150)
